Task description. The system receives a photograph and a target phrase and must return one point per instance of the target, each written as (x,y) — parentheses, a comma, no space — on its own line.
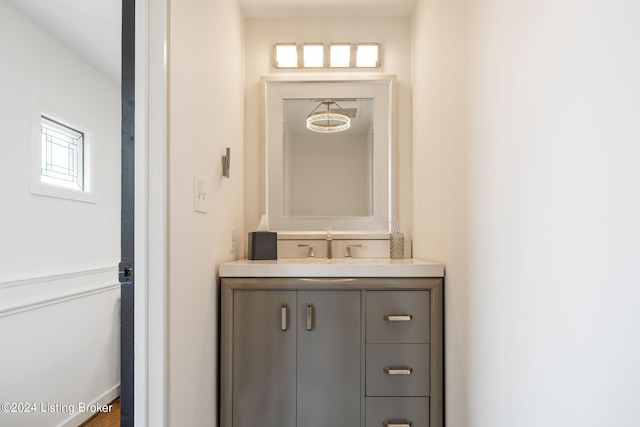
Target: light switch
(199,195)
(232,243)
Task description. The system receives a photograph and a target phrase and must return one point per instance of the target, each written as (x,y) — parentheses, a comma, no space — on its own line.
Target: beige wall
(206,89)
(261,34)
(517,158)
(440,175)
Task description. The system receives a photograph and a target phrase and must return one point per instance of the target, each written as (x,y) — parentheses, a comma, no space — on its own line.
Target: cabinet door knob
(398,317)
(397,370)
(309,316)
(397,423)
(283,317)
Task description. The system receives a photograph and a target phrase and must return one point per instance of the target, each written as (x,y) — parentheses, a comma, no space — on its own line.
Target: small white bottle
(396,240)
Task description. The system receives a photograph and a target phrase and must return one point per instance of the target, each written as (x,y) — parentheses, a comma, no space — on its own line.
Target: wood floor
(105,419)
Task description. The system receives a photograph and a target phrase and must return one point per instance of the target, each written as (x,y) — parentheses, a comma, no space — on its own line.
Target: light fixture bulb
(327,118)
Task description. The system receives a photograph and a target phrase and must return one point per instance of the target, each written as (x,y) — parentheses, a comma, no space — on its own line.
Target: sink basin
(370,261)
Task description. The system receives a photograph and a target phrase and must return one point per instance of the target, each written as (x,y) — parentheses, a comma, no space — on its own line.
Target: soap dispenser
(396,240)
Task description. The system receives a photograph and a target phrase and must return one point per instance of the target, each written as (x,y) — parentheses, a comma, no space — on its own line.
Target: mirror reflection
(328,157)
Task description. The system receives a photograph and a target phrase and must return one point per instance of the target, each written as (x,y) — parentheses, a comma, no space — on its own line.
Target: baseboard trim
(81,417)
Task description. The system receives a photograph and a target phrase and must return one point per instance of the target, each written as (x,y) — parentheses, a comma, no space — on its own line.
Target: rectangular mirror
(328,147)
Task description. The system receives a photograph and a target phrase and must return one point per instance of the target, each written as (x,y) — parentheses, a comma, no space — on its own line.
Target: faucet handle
(310,254)
(348,252)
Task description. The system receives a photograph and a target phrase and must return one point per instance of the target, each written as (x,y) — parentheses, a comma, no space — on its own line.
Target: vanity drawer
(398,316)
(397,370)
(397,411)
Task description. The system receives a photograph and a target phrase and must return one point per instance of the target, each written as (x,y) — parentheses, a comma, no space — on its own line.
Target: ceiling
(325,8)
(92,28)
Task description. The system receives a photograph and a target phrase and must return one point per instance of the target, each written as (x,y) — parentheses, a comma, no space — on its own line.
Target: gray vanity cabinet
(341,352)
(328,358)
(296,358)
(264,358)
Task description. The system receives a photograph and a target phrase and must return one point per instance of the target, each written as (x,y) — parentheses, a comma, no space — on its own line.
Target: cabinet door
(329,358)
(264,359)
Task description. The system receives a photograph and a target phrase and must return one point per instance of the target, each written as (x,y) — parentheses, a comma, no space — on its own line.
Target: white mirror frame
(381,91)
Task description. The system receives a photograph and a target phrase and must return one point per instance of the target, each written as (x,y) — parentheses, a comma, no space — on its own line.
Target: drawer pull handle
(398,370)
(398,317)
(309,316)
(283,317)
(397,423)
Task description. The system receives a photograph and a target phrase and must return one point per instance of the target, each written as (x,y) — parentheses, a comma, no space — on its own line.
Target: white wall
(58,257)
(206,89)
(36,65)
(554,207)
(261,34)
(328,176)
(60,345)
(541,287)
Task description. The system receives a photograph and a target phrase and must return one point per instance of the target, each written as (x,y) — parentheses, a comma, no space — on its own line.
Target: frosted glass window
(340,55)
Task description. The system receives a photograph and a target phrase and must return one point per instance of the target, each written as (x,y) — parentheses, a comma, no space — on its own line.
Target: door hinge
(125,272)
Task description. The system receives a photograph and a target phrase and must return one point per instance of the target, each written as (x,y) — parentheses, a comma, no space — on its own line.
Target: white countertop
(336,267)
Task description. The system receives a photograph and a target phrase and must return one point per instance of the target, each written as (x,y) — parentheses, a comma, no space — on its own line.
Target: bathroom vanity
(333,332)
(331,342)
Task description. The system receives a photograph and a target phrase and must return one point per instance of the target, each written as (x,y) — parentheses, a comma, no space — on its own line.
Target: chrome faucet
(329,253)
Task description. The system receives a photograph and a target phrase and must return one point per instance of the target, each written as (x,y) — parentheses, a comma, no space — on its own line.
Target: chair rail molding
(32,293)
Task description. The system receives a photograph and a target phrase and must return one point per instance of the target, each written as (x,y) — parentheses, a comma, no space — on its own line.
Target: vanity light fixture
(340,55)
(368,55)
(327,55)
(313,55)
(329,121)
(285,55)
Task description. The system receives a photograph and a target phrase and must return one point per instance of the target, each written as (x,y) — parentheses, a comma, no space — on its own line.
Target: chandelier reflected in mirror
(329,121)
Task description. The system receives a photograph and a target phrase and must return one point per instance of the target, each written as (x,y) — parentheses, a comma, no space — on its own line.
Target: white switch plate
(199,195)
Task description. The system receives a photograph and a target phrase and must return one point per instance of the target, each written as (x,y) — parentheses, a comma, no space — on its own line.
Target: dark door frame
(126,275)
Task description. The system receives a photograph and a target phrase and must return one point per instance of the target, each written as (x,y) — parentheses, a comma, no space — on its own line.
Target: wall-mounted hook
(226,163)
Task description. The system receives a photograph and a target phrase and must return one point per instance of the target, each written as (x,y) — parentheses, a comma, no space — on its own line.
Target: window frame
(40,109)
